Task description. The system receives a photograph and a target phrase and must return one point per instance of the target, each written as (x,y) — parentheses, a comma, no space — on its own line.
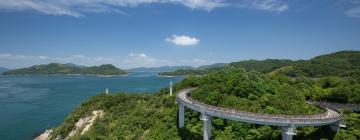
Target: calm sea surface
(31,104)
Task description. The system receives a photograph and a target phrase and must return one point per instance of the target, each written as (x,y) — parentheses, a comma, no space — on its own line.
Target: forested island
(56,68)
(159,69)
(270,87)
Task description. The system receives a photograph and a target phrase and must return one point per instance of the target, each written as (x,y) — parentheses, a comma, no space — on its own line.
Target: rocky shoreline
(81,127)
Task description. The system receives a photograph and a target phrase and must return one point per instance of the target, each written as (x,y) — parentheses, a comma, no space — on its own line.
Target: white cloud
(46,7)
(354,12)
(17,60)
(78,56)
(202,4)
(354,1)
(141,59)
(193,62)
(138,55)
(43,57)
(122,61)
(263,5)
(8,56)
(5,55)
(270,5)
(77,8)
(183,40)
(199,61)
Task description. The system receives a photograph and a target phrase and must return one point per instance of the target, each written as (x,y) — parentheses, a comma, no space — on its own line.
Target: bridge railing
(355,107)
(323,117)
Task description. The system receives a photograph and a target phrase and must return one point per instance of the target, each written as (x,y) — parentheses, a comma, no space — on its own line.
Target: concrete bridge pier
(181,115)
(335,126)
(206,126)
(287,132)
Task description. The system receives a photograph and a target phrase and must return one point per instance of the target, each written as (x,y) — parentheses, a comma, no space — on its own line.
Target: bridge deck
(353,107)
(329,117)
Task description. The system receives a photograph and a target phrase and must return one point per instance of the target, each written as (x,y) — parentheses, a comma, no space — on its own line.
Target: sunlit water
(31,104)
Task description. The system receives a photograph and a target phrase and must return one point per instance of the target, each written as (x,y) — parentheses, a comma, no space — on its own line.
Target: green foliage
(333,89)
(252,91)
(352,130)
(55,68)
(335,64)
(136,116)
(265,66)
(180,72)
(261,66)
(141,116)
(342,64)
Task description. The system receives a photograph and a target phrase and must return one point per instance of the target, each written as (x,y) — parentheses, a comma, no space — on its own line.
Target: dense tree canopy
(342,64)
(143,116)
(55,68)
(252,91)
(272,90)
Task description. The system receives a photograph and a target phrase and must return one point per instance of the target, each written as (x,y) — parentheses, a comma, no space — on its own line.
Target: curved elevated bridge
(287,123)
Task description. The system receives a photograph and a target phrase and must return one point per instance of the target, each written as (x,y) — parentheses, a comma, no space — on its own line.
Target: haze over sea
(31,104)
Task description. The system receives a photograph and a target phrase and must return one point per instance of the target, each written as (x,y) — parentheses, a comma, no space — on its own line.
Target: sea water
(31,104)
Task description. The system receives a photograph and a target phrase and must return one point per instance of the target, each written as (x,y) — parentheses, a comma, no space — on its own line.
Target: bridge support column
(335,126)
(287,132)
(181,115)
(207,126)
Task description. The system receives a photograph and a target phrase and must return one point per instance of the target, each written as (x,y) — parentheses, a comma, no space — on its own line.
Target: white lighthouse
(171,90)
(107,91)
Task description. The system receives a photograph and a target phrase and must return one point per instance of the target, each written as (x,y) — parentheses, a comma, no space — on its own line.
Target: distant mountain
(343,63)
(74,65)
(160,69)
(56,68)
(216,65)
(2,69)
(265,66)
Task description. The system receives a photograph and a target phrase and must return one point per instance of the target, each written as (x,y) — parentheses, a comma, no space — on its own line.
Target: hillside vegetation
(254,92)
(336,64)
(194,71)
(159,69)
(56,68)
(143,116)
(342,64)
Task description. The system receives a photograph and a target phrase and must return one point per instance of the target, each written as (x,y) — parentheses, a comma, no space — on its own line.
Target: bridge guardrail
(318,118)
(355,107)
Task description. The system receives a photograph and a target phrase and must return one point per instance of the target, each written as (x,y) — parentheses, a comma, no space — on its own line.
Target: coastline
(65,92)
(178,75)
(97,75)
(164,76)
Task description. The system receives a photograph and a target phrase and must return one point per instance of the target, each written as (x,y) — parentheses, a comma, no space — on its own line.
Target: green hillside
(343,63)
(143,116)
(265,66)
(216,65)
(335,64)
(159,69)
(181,72)
(56,68)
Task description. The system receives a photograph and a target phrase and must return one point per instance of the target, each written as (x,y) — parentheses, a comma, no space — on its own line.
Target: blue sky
(133,33)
